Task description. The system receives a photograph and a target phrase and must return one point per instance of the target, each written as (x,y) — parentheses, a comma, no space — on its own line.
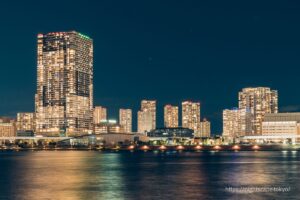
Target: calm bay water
(148,175)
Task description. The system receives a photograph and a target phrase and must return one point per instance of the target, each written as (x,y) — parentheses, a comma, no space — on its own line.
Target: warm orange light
(145,147)
(255,147)
(217,147)
(236,147)
(198,147)
(180,147)
(131,147)
(162,147)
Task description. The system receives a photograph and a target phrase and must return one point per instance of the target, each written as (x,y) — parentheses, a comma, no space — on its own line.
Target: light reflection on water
(145,175)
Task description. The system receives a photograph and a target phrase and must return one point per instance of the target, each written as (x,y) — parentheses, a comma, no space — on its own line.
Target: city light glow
(131,147)
(145,147)
(162,147)
(217,147)
(180,147)
(256,147)
(236,147)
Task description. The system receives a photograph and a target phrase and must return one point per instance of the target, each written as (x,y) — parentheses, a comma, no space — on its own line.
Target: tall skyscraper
(205,128)
(191,116)
(100,114)
(147,116)
(236,122)
(258,101)
(125,118)
(171,116)
(64,97)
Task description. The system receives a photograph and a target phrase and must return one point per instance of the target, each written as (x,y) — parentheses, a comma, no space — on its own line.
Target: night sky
(165,50)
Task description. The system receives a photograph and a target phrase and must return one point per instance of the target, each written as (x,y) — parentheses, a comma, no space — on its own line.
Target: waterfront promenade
(155,148)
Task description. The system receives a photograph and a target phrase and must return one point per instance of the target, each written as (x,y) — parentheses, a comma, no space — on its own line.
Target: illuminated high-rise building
(25,121)
(191,116)
(125,118)
(100,114)
(147,116)
(258,101)
(205,128)
(236,122)
(171,116)
(64,97)
(144,121)
(150,106)
(231,123)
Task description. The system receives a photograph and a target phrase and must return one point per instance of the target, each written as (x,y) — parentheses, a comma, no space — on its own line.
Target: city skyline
(149,99)
(192,53)
(146,105)
(49,48)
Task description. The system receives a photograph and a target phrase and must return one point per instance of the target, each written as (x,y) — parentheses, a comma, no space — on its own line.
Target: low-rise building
(109,126)
(171,132)
(122,138)
(171,136)
(25,121)
(7,127)
(278,128)
(281,124)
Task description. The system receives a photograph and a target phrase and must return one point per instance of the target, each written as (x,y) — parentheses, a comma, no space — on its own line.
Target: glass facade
(171,132)
(7,127)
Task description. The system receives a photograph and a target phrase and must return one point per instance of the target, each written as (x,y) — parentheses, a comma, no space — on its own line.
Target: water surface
(147,175)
